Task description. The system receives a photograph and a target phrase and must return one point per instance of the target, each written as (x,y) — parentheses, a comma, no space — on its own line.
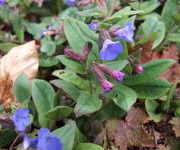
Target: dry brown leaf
(176,126)
(130,132)
(20,59)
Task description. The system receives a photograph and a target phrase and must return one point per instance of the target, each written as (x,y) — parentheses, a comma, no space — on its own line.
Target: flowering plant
(91,77)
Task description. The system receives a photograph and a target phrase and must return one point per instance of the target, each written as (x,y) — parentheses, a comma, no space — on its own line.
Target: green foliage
(86,104)
(151,107)
(153,89)
(66,134)
(43,96)
(151,70)
(88,146)
(125,97)
(21,88)
(150,25)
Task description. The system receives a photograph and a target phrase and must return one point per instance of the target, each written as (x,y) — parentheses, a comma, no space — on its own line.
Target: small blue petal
(93,26)
(126,33)
(27,142)
(21,119)
(48,142)
(110,50)
(2,2)
(71,2)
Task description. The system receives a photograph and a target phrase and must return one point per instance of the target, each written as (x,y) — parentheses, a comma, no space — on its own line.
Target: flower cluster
(99,69)
(110,50)
(44,141)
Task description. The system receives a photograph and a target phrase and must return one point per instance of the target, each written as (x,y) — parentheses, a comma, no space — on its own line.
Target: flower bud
(113,30)
(87,49)
(139,69)
(106,86)
(117,75)
(73,54)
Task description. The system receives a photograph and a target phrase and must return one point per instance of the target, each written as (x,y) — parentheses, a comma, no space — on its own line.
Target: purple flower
(44,141)
(139,69)
(118,76)
(21,119)
(126,33)
(71,2)
(2,2)
(93,26)
(106,86)
(110,50)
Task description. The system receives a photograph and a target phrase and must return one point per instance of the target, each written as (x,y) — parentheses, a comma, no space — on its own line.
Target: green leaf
(72,78)
(165,106)
(67,87)
(18,27)
(78,33)
(86,104)
(177,18)
(94,12)
(125,97)
(151,107)
(152,24)
(66,134)
(59,113)
(151,70)
(72,64)
(170,8)
(34,29)
(6,137)
(88,146)
(47,61)
(126,11)
(48,46)
(147,6)
(153,89)
(21,88)
(43,96)
(117,65)
(5,47)
(173,37)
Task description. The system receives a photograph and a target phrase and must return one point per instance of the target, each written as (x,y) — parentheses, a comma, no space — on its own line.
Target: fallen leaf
(20,59)
(176,126)
(130,132)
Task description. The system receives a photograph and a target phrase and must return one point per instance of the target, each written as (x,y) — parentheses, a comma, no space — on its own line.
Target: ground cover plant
(89,74)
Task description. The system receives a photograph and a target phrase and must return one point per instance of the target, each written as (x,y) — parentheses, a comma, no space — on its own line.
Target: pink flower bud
(139,69)
(87,49)
(73,54)
(118,76)
(106,86)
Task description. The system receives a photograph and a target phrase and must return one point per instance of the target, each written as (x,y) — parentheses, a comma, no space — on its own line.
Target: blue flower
(126,33)
(93,26)
(21,119)
(71,2)
(110,50)
(44,141)
(47,141)
(27,142)
(2,2)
